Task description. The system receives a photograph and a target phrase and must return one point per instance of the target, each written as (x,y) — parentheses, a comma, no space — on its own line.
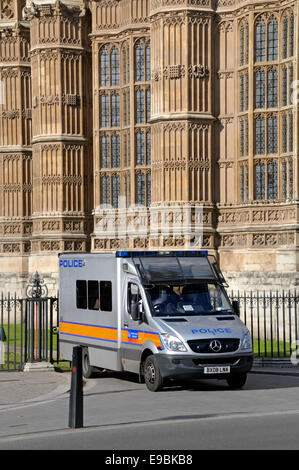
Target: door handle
(126,325)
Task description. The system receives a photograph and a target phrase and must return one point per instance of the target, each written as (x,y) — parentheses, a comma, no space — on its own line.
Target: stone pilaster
(15,139)
(182,110)
(62,123)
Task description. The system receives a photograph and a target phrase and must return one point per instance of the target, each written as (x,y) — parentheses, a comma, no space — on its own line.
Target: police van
(161,315)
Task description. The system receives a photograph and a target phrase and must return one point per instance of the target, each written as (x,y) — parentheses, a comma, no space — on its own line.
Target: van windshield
(188,300)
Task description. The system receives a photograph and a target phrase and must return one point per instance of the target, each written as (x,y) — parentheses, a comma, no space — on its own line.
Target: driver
(165,300)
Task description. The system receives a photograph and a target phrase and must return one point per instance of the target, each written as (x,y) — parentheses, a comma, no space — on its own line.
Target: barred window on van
(106,296)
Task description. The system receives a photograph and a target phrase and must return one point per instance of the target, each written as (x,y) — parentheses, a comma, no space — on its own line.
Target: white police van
(162,315)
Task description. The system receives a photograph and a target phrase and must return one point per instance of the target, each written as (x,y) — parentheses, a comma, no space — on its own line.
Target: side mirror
(236,307)
(135,311)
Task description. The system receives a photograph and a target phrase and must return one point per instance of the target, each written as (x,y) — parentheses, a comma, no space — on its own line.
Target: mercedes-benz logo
(215,345)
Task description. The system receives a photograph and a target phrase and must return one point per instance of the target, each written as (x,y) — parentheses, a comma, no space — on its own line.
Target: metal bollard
(76,395)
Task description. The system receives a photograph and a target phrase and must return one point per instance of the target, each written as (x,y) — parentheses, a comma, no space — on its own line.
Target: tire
(87,369)
(152,375)
(236,381)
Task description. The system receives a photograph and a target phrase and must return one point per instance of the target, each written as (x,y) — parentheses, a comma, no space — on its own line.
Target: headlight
(173,343)
(246,343)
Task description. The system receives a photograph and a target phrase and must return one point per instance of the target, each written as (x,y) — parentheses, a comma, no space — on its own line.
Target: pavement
(18,388)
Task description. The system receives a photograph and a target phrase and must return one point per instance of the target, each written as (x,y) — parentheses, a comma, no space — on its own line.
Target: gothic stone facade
(152,102)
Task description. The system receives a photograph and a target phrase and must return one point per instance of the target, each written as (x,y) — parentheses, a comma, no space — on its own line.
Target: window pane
(106,296)
(125,150)
(148,105)
(242,139)
(105,111)
(105,189)
(115,110)
(291,179)
(242,35)
(284,134)
(272,180)
(93,295)
(148,148)
(284,86)
(104,60)
(242,185)
(272,88)
(284,180)
(273,39)
(260,181)
(260,41)
(125,109)
(105,151)
(141,189)
(291,131)
(139,62)
(291,75)
(242,93)
(115,151)
(148,62)
(272,134)
(115,191)
(81,294)
(260,135)
(260,89)
(149,188)
(140,150)
(139,106)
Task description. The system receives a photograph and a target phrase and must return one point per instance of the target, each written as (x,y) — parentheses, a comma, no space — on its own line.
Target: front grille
(203,346)
(217,361)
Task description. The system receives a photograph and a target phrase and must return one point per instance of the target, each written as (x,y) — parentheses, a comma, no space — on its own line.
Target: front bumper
(179,366)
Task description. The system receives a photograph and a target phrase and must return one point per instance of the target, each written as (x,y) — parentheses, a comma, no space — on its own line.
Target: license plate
(217,370)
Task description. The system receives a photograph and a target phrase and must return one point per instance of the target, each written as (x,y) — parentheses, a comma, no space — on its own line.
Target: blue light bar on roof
(130,254)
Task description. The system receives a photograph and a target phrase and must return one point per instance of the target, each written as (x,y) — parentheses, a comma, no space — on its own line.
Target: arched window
(114,67)
(139,62)
(273,39)
(104,64)
(285,28)
(244,43)
(260,41)
(126,64)
(292,35)
(148,62)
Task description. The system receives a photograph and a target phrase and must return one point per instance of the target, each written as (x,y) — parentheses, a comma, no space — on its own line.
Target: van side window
(93,295)
(81,294)
(133,295)
(106,296)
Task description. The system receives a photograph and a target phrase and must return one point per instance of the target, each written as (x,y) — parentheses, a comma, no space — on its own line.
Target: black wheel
(87,369)
(152,375)
(237,380)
